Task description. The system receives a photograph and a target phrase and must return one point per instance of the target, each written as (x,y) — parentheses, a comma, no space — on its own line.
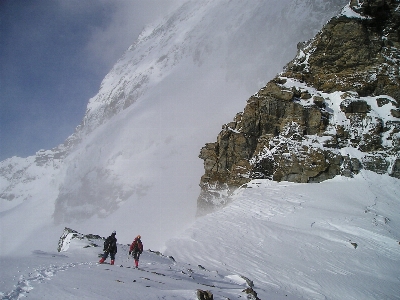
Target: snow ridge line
(24,284)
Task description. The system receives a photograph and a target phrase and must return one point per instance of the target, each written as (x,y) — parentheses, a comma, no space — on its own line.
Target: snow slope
(338,239)
(74,274)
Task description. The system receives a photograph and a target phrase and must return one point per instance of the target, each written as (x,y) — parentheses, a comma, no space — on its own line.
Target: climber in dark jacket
(110,247)
(137,249)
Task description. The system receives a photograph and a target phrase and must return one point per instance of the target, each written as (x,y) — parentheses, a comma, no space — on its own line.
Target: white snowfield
(338,239)
(74,274)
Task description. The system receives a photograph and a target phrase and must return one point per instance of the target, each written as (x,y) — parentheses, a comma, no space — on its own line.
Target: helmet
(114,232)
(139,237)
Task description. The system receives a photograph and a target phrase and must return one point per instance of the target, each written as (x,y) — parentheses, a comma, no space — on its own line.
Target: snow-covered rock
(332,111)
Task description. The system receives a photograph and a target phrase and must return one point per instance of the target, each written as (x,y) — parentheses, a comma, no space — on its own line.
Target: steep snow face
(132,164)
(238,36)
(338,239)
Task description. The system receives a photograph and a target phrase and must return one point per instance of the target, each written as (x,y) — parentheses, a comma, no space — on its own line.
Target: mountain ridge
(137,173)
(333,110)
(110,166)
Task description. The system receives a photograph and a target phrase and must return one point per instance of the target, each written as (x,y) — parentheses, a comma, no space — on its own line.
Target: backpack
(107,244)
(137,246)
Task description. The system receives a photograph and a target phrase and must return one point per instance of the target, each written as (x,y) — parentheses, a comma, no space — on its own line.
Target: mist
(54,55)
(170,94)
(135,167)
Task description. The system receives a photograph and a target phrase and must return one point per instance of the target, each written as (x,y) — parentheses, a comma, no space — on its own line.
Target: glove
(130,252)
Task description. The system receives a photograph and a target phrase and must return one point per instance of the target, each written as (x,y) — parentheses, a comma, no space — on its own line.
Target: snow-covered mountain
(132,166)
(133,163)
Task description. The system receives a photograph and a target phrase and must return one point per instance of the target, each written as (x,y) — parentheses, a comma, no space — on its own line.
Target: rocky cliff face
(333,110)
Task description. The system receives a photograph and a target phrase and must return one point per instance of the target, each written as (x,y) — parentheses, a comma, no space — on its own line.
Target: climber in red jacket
(137,249)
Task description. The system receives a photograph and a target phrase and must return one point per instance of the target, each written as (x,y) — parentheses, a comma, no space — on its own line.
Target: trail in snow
(158,277)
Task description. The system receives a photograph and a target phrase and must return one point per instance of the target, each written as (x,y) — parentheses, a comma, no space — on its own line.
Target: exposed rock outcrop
(204,295)
(88,240)
(332,111)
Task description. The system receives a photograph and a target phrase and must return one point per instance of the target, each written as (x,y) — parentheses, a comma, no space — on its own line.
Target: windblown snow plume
(132,165)
(134,156)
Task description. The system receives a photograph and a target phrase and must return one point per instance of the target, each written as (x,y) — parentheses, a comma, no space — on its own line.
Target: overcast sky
(53,56)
